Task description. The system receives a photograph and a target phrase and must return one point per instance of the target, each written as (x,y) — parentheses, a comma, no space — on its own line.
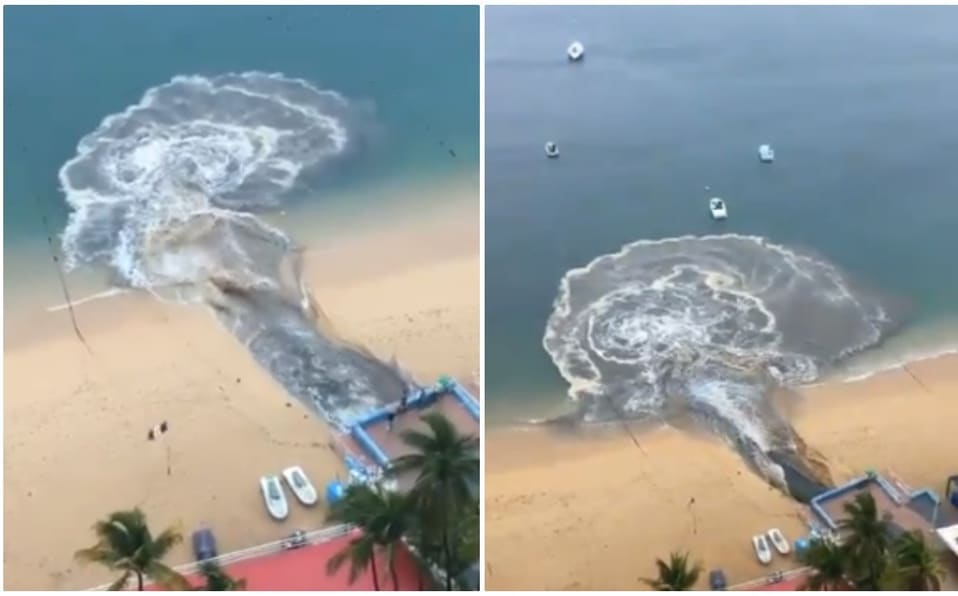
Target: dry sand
(593,512)
(75,423)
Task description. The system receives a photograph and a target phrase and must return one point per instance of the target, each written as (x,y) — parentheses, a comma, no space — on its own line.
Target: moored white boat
(575,51)
(766,154)
(717,208)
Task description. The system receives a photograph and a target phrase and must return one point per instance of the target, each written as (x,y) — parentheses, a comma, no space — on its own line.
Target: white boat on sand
(717,208)
(274,497)
(762,550)
(300,485)
(779,541)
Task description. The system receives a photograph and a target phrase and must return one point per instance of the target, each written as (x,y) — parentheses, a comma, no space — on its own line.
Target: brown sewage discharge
(710,327)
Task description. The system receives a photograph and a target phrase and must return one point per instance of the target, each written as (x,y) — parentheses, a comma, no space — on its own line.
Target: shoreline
(928,340)
(331,228)
(603,508)
(75,441)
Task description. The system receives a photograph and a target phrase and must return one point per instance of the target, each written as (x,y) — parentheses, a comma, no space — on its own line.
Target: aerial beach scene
(241,297)
(720,335)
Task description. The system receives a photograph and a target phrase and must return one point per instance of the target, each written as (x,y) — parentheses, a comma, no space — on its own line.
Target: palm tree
(389,524)
(828,561)
(126,545)
(361,553)
(468,531)
(916,563)
(676,575)
(217,580)
(465,546)
(446,465)
(383,517)
(866,543)
(892,579)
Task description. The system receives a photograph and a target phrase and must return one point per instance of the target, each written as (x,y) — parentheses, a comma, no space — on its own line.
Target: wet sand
(593,510)
(76,421)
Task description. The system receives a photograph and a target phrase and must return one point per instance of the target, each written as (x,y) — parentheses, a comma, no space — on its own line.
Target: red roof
(305,569)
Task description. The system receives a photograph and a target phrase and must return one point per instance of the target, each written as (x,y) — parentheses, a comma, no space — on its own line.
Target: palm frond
(121,582)
(417,439)
(358,553)
(676,574)
(362,556)
(165,541)
(166,577)
(335,562)
(97,553)
(125,543)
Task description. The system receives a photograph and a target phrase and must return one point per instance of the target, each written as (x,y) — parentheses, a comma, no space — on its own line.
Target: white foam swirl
(704,324)
(193,146)
(164,193)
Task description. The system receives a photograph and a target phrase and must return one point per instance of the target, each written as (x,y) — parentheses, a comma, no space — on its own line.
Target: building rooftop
(305,569)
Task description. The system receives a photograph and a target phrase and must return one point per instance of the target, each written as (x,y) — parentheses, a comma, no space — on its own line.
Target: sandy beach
(76,420)
(593,510)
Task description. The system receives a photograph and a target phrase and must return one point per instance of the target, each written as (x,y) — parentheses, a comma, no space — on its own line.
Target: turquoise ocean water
(66,68)
(860,104)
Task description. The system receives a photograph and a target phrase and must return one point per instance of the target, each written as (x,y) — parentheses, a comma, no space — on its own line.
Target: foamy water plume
(708,326)
(166,192)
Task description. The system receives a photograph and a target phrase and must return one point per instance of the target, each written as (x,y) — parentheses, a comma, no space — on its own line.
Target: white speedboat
(274,497)
(718,208)
(766,154)
(762,550)
(552,150)
(779,541)
(301,486)
(575,51)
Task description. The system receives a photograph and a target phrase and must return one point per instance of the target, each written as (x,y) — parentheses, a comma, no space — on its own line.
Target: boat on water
(552,150)
(575,51)
(300,485)
(766,154)
(273,496)
(717,208)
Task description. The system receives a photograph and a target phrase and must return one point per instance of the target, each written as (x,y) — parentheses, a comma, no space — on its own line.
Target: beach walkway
(793,584)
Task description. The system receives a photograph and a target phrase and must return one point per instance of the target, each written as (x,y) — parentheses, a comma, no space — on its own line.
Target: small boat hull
(274,497)
(766,154)
(575,51)
(778,540)
(301,486)
(718,209)
(762,551)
